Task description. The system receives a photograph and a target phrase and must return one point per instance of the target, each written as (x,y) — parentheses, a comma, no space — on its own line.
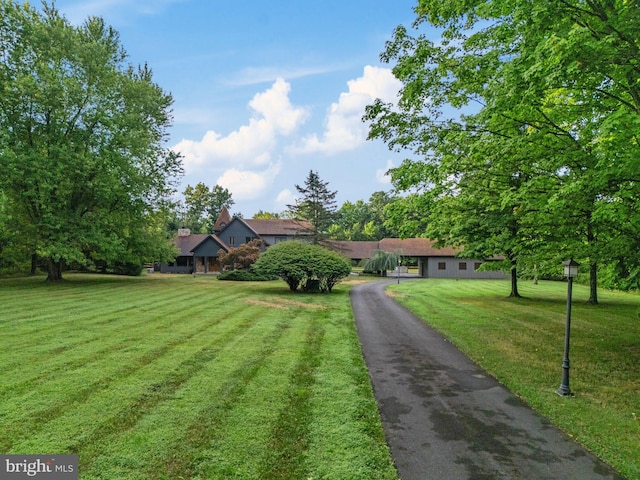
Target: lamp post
(570,271)
(398,271)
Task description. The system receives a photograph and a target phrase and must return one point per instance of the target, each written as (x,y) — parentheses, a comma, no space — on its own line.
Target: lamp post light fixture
(570,271)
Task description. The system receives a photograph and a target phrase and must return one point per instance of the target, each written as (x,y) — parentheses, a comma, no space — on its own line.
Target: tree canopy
(317,206)
(203,206)
(525,118)
(82,152)
(362,220)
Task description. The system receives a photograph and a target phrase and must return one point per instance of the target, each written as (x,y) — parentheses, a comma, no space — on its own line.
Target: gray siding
(208,248)
(235,234)
(451,267)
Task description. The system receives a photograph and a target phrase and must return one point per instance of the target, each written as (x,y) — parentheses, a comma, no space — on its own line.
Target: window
(442,265)
(462,266)
(248,239)
(477,265)
(232,240)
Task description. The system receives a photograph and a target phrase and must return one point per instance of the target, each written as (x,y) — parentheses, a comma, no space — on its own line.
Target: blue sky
(265,91)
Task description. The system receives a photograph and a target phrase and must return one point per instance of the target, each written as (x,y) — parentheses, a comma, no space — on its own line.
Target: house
(239,231)
(432,262)
(198,253)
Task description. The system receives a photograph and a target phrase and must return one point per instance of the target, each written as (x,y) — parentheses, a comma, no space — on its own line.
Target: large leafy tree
(83,159)
(362,220)
(317,205)
(203,206)
(556,95)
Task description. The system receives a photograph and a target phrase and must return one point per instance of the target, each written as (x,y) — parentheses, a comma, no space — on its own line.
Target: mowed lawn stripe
(40,403)
(126,339)
(289,435)
(193,382)
(349,443)
(52,337)
(252,392)
(171,440)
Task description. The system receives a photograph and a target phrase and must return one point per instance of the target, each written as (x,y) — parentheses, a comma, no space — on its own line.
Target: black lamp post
(570,271)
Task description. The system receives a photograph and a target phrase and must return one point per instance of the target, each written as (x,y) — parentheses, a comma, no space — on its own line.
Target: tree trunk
(34,264)
(593,283)
(54,271)
(514,281)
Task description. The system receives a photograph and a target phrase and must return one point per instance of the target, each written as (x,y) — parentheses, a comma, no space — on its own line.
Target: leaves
(536,171)
(317,206)
(83,156)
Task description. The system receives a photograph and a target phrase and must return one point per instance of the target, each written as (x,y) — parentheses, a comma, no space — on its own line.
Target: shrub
(244,276)
(241,257)
(127,268)
(303,266)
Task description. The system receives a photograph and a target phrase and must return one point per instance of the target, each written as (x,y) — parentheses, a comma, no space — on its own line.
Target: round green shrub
(244,276)
(303,266)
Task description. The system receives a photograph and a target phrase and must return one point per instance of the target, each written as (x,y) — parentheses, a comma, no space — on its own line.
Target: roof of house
(416,247)
(355,250)
(187,244)
(409,247)
(223,220)
(279,226)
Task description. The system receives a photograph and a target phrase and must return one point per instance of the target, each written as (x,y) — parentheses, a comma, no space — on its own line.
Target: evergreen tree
(317,206)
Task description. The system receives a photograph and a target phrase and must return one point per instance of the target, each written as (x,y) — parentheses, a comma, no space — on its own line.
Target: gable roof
(279,226)
(187,244)
(214,238)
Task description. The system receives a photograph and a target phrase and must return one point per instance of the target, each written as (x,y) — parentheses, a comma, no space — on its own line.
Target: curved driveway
(444,417)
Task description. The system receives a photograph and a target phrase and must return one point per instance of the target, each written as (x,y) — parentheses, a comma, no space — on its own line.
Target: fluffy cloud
(248,184)
(344,129)
(381,173)
(284,198)
(251,145)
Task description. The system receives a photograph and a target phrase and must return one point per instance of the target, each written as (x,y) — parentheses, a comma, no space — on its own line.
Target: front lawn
(174,377)
(521,342)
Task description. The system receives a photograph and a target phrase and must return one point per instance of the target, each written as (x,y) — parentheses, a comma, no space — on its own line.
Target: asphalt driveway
(444,417)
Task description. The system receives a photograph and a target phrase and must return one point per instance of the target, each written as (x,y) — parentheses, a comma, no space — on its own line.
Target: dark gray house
(198,253)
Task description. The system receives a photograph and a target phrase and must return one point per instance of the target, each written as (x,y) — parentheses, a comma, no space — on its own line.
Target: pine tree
(317,206)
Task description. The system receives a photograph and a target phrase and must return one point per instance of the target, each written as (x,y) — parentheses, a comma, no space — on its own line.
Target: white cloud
(248,184)
(251,145)
(381,173)
(255,75)
(344,129)
(284,198)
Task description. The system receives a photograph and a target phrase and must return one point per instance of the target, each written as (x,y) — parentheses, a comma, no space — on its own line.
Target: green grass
(521,342)
(170,377)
